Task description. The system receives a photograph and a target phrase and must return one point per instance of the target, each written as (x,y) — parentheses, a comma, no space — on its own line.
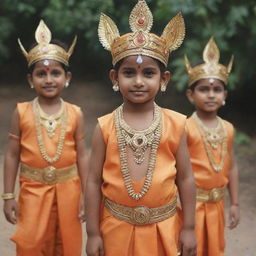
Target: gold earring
(163,87)
(115,87)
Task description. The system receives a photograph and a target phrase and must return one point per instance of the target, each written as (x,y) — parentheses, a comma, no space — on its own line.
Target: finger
(10,218)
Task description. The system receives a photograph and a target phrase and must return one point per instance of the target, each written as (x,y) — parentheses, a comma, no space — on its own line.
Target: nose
(211,93)
(139,81)
(48,78)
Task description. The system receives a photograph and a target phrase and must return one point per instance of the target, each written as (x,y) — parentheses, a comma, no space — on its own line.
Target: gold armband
(7,196)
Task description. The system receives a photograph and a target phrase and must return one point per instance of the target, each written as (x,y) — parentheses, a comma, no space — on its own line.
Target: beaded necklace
(60,144)
(138,141)
(213,137)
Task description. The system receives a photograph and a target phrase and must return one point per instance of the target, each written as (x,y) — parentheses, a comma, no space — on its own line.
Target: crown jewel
(141,41)
(211,68)
(44,49)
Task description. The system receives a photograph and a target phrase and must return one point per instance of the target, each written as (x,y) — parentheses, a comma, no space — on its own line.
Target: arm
(93,195)
(82,161)
(186,187)
(233,188)
(11,164)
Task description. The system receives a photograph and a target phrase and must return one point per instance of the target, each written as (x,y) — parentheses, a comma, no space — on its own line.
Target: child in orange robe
(139,155)
(210,143)
(46,140)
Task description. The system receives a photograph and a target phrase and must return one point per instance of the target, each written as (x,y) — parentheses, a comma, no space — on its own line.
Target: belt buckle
(49,175)
(215,195)
(140,215)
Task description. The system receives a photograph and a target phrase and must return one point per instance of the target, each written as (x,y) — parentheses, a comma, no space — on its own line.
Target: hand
(94,246)
(188,242)
(81,215)
(234,216)
(11,210)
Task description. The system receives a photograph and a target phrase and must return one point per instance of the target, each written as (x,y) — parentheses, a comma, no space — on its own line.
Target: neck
(138,107)
(49,101)
(206,116)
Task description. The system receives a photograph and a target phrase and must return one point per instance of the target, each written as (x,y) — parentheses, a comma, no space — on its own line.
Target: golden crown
(44,49)
(140,41)
(211,68)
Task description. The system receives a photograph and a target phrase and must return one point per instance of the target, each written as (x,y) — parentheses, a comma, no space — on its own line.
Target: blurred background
(231,22)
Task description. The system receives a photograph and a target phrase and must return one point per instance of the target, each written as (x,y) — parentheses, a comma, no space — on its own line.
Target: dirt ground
(97,99)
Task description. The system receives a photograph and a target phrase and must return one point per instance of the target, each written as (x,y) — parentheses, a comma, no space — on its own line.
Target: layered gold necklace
(50,123)
(139,142)
(212,138)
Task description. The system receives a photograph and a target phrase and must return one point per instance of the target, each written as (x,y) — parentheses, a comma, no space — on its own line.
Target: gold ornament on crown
(44,49)
(211,68)
(140,41)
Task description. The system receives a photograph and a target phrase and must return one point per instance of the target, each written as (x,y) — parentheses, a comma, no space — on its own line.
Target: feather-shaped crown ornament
(211,68)
(44,49)
(141,41)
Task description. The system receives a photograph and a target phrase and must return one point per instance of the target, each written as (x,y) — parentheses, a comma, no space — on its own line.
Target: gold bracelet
(7,196)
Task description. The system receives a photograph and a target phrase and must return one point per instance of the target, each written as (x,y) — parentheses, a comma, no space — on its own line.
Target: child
(139,151)
(46,139)
(210,143)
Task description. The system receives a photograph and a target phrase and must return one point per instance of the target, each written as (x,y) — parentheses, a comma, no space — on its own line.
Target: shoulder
(176,118)
(229,126)
(73,107)
(22,107)
(106,119)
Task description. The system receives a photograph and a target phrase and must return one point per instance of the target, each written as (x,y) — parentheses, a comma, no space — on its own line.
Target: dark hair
(159,63)
(193,86)
(53,41)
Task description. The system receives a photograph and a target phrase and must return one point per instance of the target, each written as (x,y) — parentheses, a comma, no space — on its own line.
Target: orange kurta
(210,221)
(158,239)
(48,224)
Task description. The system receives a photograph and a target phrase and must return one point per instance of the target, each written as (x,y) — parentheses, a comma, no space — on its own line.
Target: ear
(189,94)
(68,76)
(29,78)
(113,76)
(165,77)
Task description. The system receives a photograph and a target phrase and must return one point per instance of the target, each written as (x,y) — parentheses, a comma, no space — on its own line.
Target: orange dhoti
(157,239)
(48,222)
(210,221)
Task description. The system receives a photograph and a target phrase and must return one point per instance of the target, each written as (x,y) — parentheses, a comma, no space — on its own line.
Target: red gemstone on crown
(141,21)
(140,39)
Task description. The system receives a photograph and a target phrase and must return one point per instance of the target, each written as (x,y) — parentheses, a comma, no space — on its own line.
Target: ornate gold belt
(48,175)
(141,215)
(212,196)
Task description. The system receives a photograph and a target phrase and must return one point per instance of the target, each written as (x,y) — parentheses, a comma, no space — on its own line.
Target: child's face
(48,78)
(139,83)
(208,95)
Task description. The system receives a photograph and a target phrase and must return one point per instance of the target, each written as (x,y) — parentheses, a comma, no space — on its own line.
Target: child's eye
(56,73)
(40,74)
(149,72)
(128,72)
(218,89)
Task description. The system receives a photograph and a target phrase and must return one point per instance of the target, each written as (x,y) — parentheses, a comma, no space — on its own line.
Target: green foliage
(241,139)
(232,23)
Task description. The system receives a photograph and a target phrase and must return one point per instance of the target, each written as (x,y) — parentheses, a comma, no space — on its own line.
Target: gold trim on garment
(48,175)
(141,215)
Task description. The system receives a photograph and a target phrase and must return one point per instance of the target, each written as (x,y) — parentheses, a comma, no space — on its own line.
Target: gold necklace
(60,144)
(50,122)
(139,141)
(154,132)
(213,137)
